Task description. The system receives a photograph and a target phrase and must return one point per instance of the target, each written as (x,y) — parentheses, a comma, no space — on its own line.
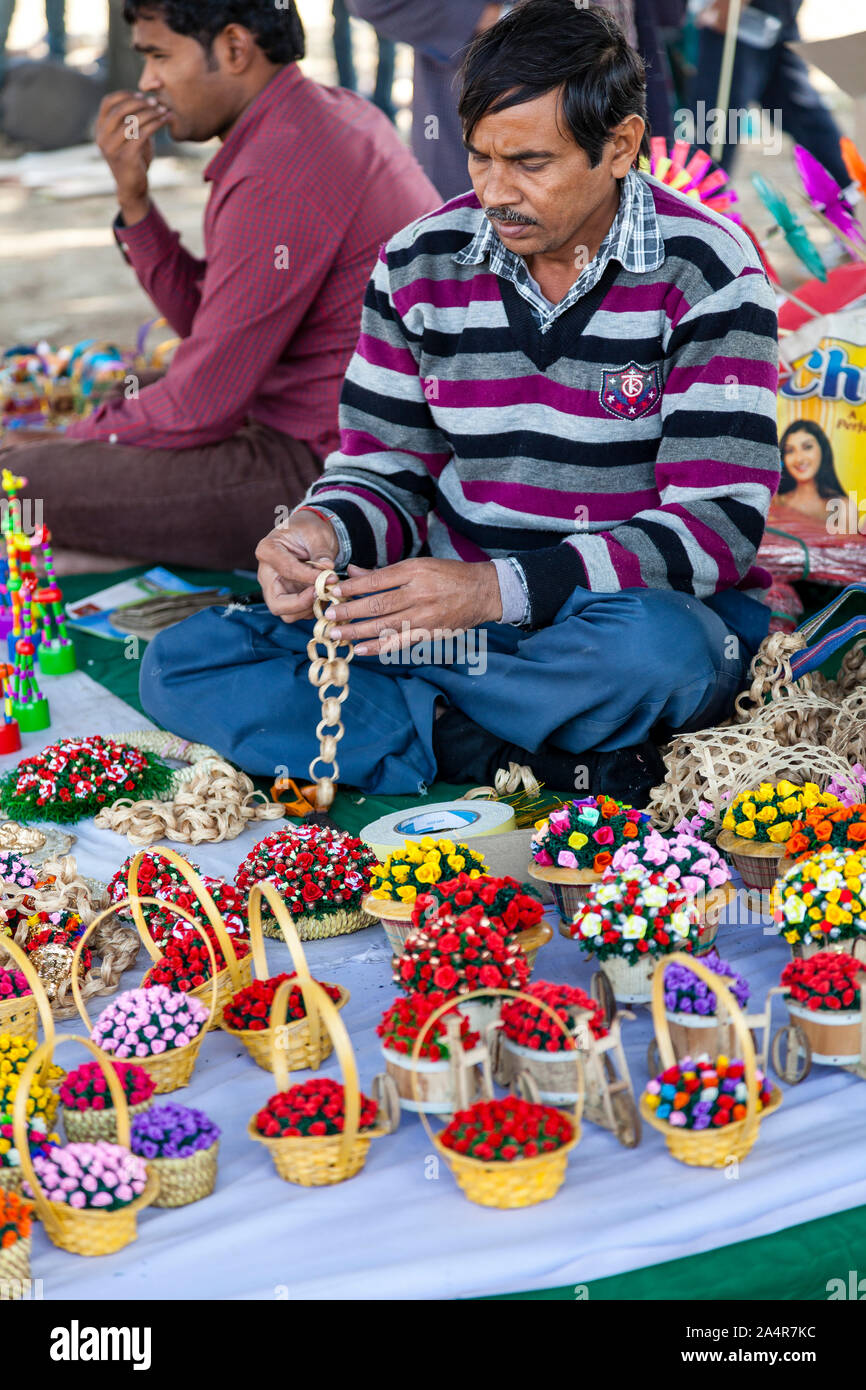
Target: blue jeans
(608,672)
(778,80)
(55,18)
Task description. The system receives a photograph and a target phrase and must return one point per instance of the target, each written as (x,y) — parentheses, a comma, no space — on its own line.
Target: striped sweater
(625,437)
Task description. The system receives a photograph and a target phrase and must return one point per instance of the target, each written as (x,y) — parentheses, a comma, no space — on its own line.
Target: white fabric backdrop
(400,1230)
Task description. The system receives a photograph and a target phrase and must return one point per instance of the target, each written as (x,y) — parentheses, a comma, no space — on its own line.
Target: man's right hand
(125,126)
(291,559)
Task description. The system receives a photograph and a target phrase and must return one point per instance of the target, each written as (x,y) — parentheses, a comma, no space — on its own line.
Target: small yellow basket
(21,1016)
(81,1232)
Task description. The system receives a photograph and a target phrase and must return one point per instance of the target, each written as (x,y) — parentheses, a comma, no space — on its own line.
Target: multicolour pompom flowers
(586,834)
(636,912)
(822,899)
(700,1094)
(76,777)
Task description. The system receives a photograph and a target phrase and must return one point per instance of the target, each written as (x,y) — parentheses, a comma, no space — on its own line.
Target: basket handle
(286,925)
(316,1001)
(504,994)
(42,1056)
(211,911)
(109,912)
(27,968)
(735,1014)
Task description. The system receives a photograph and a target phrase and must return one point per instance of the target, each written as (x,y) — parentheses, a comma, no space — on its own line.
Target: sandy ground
(62,278)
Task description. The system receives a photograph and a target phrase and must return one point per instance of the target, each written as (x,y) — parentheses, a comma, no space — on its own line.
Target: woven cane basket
(338,923)
(170,1070)
(301,1047)
(81,1232)
(89,1126)
(525,1181)
(710,907)
(708,1148)
(235,974)
(570,888)
(15,1270)
(21,1017)
(318,1160)
(185,1180)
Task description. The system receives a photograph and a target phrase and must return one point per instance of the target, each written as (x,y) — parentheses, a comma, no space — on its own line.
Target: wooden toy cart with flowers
(536,1055)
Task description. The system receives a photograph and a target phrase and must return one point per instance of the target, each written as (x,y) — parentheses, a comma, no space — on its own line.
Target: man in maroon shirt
(310,180)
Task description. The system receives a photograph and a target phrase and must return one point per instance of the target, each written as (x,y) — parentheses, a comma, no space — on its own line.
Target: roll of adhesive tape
(460,821)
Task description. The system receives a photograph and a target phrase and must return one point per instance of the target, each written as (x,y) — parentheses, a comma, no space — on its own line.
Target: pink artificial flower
(566,859)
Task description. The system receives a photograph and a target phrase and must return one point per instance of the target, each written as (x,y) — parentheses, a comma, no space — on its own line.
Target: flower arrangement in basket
(758,823)
(450,1067)
(40,1140)
(303,1041)
(691,1008)
(74,777)
(15,1055)
(507,1153)
(322,874)
(574,846)
(631,919)
(824,996)
(709,1110)
(87,1195)
(820,903)
(180,1145)
(411,872)
(159,877)
(16,1218)
(838,827)
(693,863)
(317,1132)
(19,875)
(543,1045)
(87,1109)
(508,905)
(461,953)
(156,876)
(160,1029)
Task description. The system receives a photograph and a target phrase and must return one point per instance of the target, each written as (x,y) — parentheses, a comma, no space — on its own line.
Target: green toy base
(57,661)
(34,717)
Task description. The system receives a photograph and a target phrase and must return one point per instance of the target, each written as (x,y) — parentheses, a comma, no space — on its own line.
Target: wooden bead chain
(326,671)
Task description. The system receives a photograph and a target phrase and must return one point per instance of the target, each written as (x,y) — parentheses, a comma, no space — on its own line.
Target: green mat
(793,1264)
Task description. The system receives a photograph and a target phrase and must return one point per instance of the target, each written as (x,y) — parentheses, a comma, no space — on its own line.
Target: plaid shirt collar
(634,239)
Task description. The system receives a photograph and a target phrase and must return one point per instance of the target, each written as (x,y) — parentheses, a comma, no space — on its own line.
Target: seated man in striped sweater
(558,436)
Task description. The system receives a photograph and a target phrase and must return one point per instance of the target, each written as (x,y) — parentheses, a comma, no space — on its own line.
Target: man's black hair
(544,44)
(277,29)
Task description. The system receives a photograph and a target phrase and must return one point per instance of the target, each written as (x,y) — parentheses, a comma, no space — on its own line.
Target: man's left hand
(395,607)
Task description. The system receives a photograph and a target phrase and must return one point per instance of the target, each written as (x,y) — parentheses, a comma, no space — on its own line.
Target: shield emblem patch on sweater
(629,392)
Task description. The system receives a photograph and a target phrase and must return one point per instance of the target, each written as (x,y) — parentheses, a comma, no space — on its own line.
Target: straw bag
(302,1047)
(235,974)
(524,1181)
(319,1160)
(708,1148)
(81,1232)
(173,1068)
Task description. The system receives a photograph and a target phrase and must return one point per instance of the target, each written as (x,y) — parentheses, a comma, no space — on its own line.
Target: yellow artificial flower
(767,814)
(791,805)
(400,872)
(427,873)
(577,840)
(792,936)
(408,892)
(780,832)
(749,810)
(747,829)
(786,788)
(427,843)
(447,846)
(475,873)
(457,862)
(764,792)
(815,914)
(833,914)
(729,820)
(414,854)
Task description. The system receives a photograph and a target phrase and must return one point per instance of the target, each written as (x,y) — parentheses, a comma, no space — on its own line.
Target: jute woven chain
(328,669)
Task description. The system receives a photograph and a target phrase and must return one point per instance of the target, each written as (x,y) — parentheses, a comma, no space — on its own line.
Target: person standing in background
(55,18)
(346,74)
(774,77)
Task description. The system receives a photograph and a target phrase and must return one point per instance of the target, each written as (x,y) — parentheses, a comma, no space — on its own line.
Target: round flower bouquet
(231,904)
(19,875)
(318,1132)
(685,859)
(825,1002)
(179,1145)
(509,906)
(820,903)
(508,1153)
(158,1029)
(87,1109)
(758,823)
(574,846)
(691,1008)
(532,1043)
(448,1073)
(321,874)
(41,1142)
(413,871)
(190,958)
(836,827)
(156,875)
(87,1195)
(714,1129)
(75,777)
(458,953)
(15,1225)
(248,1017)
(629,921)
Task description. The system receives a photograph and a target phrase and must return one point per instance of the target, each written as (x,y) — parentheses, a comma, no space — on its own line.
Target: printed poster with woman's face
(822,435)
